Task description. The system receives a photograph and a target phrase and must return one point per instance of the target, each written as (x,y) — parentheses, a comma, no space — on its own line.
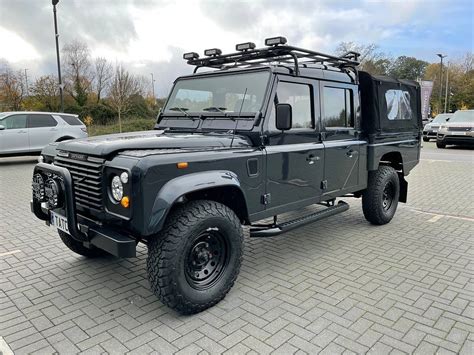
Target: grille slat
(87,181)
(459,129)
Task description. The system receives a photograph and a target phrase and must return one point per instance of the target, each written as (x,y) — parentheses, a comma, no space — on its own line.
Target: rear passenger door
(339,136)
(42,130)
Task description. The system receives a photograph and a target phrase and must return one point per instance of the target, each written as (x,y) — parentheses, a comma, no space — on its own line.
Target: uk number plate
(59,222)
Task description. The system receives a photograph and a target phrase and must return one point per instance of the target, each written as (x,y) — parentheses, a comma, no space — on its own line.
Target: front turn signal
(125,202)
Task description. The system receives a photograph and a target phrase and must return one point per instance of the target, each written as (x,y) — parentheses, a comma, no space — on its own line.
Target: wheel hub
(206,260)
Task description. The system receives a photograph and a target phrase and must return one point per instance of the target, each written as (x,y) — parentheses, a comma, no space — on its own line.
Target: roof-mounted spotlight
(190,56)
(241,47)
(212,52)
(275,41)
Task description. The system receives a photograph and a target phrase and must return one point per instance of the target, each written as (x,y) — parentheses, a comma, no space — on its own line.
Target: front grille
(459,129)
(87,182)
(434,127)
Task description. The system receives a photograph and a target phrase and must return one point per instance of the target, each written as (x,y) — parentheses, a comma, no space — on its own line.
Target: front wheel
(440,145)
(195,260)
(426,139)
(380,199)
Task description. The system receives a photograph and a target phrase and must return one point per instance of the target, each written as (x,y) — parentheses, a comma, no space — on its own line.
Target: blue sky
(151,35)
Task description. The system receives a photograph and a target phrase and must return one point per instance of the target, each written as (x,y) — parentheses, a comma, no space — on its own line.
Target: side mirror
(2,127)
(284,117)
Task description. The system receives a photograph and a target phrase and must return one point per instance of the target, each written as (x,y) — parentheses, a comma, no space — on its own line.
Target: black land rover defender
(267,131)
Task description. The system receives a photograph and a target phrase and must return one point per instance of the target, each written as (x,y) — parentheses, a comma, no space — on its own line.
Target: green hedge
(128,125)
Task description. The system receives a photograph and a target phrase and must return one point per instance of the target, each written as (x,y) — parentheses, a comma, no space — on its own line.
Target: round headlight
(116,189)
(124,177)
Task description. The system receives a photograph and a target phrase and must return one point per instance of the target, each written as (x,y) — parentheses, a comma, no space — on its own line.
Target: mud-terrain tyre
(380,199)
(425,139)
(193,263)
(80,249)
(440,145)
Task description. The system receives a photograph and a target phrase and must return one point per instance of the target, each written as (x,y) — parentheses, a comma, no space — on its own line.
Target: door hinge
(266,199)
(324,185)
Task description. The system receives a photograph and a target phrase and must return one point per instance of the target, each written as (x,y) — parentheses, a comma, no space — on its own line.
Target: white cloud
(15,48)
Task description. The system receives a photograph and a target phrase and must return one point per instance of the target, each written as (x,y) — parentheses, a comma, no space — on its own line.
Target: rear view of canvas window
(398,105)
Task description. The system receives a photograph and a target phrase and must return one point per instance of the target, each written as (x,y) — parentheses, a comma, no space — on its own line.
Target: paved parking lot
(339,286)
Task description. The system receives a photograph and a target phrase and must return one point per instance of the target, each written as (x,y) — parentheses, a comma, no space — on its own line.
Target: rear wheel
(79,248)
(380,199)
(195,260)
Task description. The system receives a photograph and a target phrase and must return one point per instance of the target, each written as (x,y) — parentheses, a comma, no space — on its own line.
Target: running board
(277,229)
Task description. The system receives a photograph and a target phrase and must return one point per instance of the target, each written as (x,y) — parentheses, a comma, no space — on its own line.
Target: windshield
(463,116)
(441,118)
(223,93)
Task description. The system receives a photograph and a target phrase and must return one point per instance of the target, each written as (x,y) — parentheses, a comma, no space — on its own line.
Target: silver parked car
(458,130)
(431,129)
(23,133)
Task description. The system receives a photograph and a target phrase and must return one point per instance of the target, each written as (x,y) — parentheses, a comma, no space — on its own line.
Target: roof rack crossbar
(282,54)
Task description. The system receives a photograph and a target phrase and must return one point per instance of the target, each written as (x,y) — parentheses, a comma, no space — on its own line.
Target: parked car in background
(431,129)
(23,133)
(458,130)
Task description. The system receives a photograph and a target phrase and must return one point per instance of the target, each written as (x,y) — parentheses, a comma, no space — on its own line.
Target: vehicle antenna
(238,117)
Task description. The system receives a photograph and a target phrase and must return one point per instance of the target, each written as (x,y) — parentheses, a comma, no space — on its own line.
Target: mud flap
(403,188)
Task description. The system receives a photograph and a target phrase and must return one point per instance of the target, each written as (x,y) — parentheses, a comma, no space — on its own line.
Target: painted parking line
(10,252)
(4,348)
(438,216)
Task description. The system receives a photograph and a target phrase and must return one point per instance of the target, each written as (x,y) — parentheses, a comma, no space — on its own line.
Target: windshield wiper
(214,108)
(180,109)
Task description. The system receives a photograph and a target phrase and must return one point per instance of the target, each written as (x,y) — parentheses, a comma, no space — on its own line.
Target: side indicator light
(182,165)
(125,202)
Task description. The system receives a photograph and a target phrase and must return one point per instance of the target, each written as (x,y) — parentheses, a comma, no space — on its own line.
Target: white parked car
(23,133)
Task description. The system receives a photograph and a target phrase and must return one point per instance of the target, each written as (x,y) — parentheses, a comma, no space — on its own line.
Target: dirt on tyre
(380,199)
(440,145)
(79,248)
(193,263)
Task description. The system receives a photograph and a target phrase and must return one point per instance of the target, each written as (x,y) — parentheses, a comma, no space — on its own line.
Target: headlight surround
(116,189)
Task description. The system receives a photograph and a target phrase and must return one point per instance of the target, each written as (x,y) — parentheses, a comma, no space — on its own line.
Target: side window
(36,121)
(398,105)
(71,120)
(14,122)
(299,97)
(337,108)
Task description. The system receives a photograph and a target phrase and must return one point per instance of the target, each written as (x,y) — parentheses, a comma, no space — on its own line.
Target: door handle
(351,153)
(21,132)
(311,159)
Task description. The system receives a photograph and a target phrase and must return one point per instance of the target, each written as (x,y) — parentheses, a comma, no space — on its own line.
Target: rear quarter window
(71,120)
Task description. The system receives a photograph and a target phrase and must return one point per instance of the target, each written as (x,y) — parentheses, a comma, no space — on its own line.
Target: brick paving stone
(340,286)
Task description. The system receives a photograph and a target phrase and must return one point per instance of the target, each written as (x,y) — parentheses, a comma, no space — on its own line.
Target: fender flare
(180,186)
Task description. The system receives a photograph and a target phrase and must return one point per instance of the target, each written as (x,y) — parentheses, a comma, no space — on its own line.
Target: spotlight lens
(124,177)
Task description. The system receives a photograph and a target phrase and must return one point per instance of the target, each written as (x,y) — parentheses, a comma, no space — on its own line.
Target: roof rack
(277,51)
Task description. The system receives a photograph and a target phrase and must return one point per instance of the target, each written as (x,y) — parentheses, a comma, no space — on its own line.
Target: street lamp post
(153,88)
(55,2)
(441,56)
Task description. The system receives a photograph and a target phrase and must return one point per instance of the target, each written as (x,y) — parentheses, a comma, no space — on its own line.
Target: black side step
(277,229)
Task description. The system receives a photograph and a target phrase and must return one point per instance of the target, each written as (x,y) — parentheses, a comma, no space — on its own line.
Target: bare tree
(103,75)
(12,88)
(371,59)
(46,91)
(123,86)
(78,76)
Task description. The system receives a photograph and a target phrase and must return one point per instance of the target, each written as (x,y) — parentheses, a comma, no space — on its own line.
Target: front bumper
(448,137)
(81,228)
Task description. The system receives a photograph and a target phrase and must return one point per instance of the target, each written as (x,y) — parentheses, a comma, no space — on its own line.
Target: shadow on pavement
(18,160)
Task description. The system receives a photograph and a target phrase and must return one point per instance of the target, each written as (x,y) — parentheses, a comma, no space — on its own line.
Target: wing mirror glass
(2,127)
(283,117)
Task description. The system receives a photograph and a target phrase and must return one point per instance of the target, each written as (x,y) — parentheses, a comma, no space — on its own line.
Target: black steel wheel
(193,263)
(380,199)
(207,260)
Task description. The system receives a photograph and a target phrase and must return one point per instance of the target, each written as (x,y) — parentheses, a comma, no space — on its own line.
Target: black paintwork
(257,171)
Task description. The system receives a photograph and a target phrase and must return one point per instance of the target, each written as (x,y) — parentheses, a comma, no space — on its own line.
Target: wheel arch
(395,160)
(64,138)
(219,186)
